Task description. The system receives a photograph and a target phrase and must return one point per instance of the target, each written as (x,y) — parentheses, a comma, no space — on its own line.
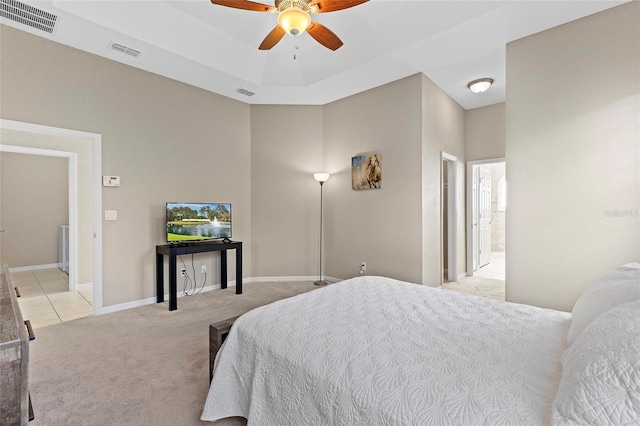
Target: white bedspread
(376,351)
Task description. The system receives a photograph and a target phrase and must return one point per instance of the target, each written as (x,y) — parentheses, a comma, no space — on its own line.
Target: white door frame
(470,236)
(96,167)
(452,218)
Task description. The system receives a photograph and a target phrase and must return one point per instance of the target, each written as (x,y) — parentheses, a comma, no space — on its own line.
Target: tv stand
(174,249)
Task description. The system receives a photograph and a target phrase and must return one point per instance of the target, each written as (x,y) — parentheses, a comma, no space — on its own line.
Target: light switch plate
(111,215)
(110,180)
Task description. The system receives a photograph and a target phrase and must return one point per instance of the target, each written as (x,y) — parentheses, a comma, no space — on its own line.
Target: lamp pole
(321,178)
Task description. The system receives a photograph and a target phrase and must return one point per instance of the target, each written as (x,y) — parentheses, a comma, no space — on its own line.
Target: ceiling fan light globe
(294,20)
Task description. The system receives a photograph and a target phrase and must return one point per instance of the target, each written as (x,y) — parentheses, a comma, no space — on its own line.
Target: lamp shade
(480,85)
(294,20)
(321,177)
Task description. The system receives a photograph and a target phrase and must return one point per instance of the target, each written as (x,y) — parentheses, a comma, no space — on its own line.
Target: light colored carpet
(142,366)
(478,286)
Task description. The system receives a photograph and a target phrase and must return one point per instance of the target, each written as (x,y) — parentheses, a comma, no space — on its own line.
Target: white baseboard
(230,283)
(287,279)
(152,300)
(34,267)
(84,287)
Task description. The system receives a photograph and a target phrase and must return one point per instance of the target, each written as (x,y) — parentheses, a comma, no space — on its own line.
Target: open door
(484,216)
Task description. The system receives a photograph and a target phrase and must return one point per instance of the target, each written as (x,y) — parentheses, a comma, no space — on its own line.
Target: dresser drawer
(14,355)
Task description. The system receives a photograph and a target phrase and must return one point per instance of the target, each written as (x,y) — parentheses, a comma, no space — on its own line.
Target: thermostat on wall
(110,180)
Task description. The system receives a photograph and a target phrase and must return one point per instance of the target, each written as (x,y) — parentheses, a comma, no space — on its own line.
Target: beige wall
(485,132)
(167,141)
(379,226)
(286,149)
(34,202)
(84,190)
(443,130)
(573,156)
(395,229)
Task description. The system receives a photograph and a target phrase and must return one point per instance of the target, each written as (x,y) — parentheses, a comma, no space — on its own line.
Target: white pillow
(600,382)
(619,286)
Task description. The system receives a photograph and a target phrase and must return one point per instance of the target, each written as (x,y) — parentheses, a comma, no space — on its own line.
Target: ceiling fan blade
(323,6)
(245,5)
(324,36)
(272,38)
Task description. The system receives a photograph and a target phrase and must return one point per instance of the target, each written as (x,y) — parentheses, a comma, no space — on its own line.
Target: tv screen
(198,221)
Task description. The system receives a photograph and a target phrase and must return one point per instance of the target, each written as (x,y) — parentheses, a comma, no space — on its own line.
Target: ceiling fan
(293,18)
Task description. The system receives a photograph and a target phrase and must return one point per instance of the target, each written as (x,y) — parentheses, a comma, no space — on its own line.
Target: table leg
(159,278)
(223,269)
(173,285)
(239,270)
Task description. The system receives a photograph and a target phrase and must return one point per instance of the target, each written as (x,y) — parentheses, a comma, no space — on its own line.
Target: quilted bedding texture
(376,351)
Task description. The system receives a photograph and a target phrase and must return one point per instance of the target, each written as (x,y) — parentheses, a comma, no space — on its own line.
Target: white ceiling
(216,48)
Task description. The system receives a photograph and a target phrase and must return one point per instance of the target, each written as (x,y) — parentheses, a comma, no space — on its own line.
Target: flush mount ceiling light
(480,85)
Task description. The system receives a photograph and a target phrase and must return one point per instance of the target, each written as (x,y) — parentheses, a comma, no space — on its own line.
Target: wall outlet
(203,269)
(363,266)
(183,272)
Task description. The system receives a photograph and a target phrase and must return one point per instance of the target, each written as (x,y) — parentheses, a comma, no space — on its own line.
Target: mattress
(377,351)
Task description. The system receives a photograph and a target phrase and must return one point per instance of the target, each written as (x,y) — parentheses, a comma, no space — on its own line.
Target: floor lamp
(321,178)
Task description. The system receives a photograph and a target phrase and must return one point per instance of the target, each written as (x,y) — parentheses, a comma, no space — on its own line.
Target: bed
(377,351)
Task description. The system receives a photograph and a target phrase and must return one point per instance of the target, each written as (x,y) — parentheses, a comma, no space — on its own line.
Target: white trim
(449,157)
(294,278)
(152,300)
(469,225)
(84,287)
(34,267)
(96,151)
(231,283)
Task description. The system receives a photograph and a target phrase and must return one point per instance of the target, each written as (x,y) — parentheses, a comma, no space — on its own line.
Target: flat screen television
(189,222)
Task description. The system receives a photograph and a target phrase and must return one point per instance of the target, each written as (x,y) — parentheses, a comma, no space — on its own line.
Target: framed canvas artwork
(366,171)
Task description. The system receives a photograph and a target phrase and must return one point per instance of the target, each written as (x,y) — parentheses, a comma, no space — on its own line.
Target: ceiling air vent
(124,49)
(245,92)
(28,15)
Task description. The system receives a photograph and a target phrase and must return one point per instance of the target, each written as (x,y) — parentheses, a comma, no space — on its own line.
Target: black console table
(175,249)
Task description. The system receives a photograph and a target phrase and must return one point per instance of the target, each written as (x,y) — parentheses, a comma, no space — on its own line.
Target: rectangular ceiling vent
(126,50)
(245,92)
(28,15)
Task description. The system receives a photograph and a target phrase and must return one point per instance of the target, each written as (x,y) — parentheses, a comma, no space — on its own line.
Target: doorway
(449,215)
(30,233)
(486,213)
(50,137)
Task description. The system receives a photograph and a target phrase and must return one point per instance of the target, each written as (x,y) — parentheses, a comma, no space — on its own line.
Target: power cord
(189,286)
(187,283)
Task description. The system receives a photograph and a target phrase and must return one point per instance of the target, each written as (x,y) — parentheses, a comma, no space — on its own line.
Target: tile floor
(487,281)
(495,269)
(45,297)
